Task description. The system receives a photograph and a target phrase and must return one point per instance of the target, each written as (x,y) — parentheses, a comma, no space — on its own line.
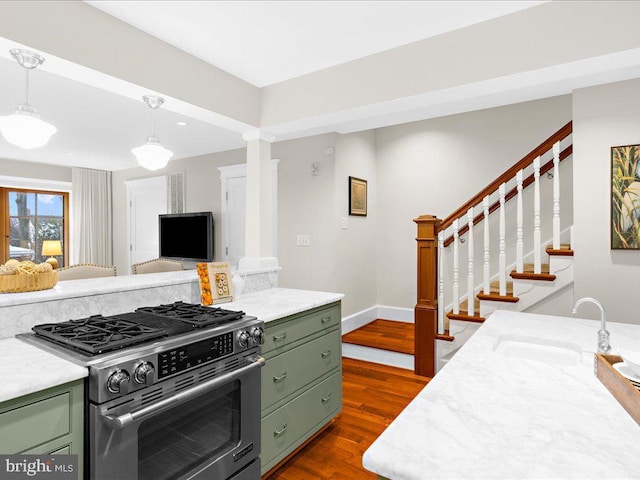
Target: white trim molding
(258,134)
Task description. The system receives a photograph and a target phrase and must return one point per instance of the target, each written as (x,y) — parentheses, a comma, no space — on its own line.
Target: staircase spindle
(470,295)
(502,259)
(519,224)
(537,256)
(441,319)
(556,196)
(487,263)
(456,273)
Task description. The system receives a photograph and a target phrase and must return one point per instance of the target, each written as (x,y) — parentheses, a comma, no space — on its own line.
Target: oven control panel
(188,356)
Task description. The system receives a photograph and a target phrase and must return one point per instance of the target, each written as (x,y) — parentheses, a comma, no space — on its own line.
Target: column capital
(258,134)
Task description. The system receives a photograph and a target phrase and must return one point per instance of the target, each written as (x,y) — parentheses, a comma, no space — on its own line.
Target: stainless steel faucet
(603,334)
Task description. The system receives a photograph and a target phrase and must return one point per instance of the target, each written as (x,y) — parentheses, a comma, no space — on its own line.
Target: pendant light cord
(26,70)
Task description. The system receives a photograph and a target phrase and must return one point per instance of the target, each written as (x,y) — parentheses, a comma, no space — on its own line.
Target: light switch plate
(304,240)
(344,223)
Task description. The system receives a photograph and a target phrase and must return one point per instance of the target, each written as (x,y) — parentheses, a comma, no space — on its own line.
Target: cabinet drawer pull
(280,378)
(280,337)
(277,433)
(327,398)
(325,320)
(325,354)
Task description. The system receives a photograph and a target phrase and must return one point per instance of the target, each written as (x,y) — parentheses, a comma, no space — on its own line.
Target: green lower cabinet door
(287,373)
(290,425)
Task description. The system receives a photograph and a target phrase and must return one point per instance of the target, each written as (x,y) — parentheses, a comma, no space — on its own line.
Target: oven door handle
(121,421)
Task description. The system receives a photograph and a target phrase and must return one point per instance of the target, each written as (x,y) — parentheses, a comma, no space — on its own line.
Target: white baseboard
(375,355)
(361,318)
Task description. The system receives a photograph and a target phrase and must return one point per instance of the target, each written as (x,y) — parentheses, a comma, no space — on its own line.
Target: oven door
(209,430)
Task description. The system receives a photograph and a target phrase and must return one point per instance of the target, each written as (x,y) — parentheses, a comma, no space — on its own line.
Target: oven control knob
(117,381)
(257,333)
(243,338)
(144,373)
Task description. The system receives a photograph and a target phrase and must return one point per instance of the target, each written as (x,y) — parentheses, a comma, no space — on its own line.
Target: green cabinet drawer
(285,374)
(281,334)
(289,426)
(34,424)
(62,451)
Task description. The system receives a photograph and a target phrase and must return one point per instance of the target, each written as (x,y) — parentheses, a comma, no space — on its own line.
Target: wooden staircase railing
(430,239)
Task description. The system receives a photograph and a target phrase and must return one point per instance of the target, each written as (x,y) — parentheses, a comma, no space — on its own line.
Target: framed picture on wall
(357,197)
(625,197)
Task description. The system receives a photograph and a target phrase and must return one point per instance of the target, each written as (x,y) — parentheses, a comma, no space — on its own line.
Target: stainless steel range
(173,391)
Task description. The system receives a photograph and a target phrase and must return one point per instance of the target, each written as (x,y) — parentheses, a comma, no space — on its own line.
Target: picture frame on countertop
(357,197)
(625,197)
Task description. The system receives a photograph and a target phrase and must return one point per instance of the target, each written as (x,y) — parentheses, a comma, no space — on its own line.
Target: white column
(259,206)
(502,258)
(441,327)
(556,196)
(537,256)
(487,262)
(456,272)
(519,225)
(470,281)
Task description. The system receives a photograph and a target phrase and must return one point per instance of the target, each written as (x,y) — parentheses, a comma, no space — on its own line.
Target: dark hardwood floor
(373,395)
(384,334)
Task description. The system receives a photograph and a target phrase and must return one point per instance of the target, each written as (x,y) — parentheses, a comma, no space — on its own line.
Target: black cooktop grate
(98,334)
(197,315)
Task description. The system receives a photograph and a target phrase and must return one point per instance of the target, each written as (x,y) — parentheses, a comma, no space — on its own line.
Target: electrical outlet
(304,240)
(344,223)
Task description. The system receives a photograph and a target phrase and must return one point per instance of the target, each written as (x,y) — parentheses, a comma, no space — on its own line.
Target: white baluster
(556,196)
(571,237)
(537,256)
(502,258)
(441,327)
(456,273)
(519,225)
(470,294)
(487,264)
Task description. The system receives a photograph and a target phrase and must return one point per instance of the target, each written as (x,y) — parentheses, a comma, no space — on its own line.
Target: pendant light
(152,155)
(24,128)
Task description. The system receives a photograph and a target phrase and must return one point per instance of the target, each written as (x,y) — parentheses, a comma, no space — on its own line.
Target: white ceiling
(264,42)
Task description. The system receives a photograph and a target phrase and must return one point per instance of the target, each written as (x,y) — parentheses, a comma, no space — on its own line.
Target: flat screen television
(186,236)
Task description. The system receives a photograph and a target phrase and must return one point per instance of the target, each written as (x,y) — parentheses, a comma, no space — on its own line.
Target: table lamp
(51,248)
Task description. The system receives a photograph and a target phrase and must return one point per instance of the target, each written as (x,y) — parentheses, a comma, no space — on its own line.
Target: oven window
(191,434)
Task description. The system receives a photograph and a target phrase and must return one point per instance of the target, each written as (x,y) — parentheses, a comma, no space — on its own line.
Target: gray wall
(36,171)
(434,166)
(603,117)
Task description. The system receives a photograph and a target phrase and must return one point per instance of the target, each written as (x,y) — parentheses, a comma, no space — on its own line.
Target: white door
(147,200)
(235,219)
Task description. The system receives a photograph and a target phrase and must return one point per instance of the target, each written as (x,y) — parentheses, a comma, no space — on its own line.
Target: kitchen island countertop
(490,415)
(27,369)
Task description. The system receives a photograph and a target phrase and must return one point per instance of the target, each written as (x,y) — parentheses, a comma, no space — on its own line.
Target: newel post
(426,311)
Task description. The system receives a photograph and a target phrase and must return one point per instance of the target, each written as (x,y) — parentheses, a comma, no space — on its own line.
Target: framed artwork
(625,197)
(357,197)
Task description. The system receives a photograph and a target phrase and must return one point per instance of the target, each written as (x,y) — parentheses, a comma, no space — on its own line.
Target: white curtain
(91,209)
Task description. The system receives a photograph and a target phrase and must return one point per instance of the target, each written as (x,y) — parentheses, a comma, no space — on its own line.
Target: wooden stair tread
(445,336)
(564,250)
(496,297)
(527,273)
(383,334)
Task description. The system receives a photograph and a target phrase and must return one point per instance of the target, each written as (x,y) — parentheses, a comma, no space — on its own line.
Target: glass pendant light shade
(152,155)
(25,129)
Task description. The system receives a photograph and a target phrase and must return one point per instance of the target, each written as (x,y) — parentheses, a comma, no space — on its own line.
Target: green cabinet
(301,381)
(45,422)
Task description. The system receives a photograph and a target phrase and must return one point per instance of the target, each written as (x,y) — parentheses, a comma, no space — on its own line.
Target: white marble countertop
(26,369)
(276,303)
(94,286)
(488,415)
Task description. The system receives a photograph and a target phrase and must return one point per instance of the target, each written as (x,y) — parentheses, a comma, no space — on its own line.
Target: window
(27,218)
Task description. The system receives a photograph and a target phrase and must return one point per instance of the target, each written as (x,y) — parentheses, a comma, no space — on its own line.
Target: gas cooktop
(99,334)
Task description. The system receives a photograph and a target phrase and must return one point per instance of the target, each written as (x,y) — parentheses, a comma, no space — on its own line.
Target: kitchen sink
(553,352)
